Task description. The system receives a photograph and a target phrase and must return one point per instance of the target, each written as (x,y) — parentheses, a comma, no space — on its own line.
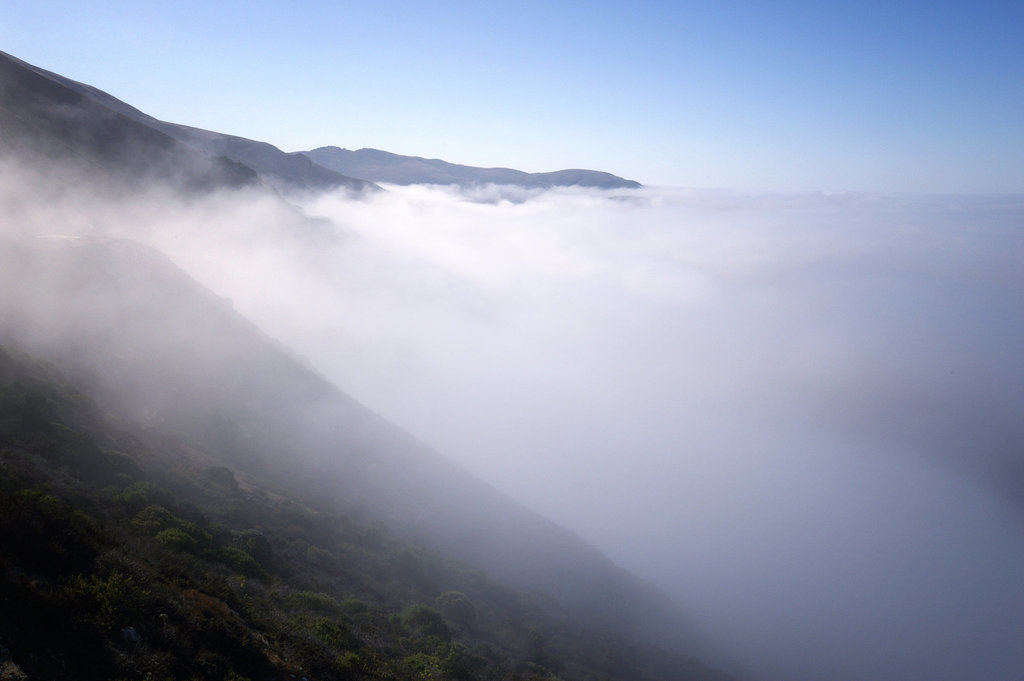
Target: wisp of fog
(799,415)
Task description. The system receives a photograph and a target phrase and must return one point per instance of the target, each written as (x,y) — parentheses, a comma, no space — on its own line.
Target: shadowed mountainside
(45,116)
(131,554)
(51,118)
(151,343)
(58,130)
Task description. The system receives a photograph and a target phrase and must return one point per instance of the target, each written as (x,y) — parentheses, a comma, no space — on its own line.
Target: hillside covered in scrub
(184,497)
(129,555)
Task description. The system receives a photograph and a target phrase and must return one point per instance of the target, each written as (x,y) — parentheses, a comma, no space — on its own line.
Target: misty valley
(355,415)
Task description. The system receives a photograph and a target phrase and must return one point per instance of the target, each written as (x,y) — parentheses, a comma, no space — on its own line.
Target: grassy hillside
(128,555)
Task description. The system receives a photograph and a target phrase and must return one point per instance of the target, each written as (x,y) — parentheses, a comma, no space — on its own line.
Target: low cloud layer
(799,415)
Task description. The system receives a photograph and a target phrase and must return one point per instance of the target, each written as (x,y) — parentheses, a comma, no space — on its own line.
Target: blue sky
(784,96)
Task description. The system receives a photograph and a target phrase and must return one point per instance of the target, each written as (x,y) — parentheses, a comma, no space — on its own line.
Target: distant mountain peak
(376,165)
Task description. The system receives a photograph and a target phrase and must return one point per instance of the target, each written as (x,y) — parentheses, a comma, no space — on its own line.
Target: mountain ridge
(88,104)
(96,124)
(53,127)
(387,167)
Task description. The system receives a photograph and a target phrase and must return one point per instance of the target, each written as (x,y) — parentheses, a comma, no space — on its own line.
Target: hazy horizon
(786,97)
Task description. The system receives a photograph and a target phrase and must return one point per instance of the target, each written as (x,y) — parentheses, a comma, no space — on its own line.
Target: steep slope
(286,171)
(127,555)
(52,127)
(56,117)
(382,166)
(129,328)
(153,344)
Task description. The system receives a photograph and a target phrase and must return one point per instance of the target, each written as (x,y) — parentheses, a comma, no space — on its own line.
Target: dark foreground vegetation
(127,555)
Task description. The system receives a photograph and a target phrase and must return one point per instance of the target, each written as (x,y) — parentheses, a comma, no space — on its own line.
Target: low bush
(112,602)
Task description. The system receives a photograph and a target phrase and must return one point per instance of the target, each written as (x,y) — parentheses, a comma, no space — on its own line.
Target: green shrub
(240,561)
(177,539)
(312,600)
(349,661)
(321,557)
(423,666)
(170,530)
(355,606)
(153,519)
(459,663)
(113,602)
(426,621)
(132,500)
(256,545)
(332,633)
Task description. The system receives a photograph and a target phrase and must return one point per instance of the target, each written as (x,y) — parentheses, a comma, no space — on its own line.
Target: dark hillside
(45,124)
(151,343)
(171,477)
(129,556)
(52,121)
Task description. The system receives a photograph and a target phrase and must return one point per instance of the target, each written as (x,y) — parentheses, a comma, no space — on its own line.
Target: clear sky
(876,96)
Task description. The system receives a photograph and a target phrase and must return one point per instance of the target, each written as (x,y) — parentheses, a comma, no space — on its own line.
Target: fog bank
(800,415)
(792,412)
